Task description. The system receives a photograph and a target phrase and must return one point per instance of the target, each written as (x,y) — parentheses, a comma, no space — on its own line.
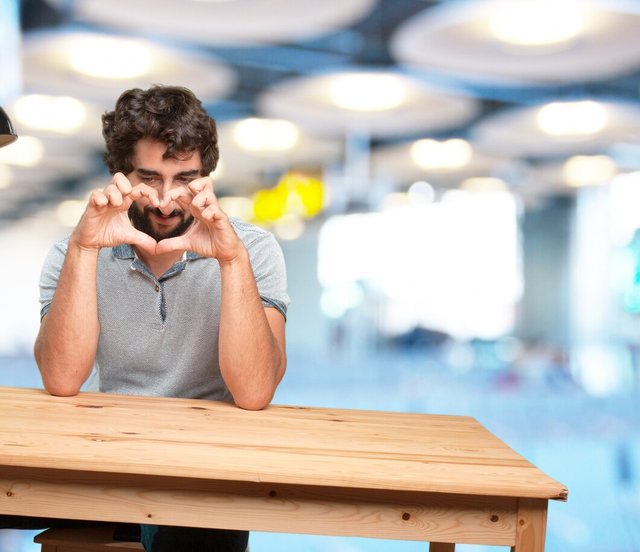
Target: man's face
(163,175)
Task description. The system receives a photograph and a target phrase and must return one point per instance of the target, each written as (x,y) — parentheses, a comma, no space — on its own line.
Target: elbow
(256,400)
(252,403)
(57,379)
(259,395)
(61,389)
(56,382)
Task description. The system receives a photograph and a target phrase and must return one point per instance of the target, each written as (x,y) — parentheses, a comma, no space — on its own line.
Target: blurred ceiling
(463,72)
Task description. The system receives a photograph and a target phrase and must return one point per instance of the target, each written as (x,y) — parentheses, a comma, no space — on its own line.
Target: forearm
(66,344)
(252,359)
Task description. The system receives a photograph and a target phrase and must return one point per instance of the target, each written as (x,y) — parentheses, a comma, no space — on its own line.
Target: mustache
(155,211)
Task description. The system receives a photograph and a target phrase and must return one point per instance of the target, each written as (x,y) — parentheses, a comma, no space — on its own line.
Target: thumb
(179,243)
(142,240)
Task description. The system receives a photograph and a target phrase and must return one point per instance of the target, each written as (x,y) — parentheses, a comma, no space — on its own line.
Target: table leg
(532,525)
(442,547)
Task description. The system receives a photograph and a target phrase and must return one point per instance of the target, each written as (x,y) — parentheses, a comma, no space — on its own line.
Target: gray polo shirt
(160,336)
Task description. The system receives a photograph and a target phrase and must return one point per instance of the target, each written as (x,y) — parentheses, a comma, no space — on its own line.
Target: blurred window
(452,266)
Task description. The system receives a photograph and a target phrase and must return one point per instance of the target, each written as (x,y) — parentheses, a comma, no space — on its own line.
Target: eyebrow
(151,172)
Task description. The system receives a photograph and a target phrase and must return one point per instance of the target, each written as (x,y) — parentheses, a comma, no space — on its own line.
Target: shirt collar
(125,251)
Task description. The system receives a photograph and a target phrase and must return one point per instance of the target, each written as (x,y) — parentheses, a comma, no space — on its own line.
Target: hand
(105,222)
(211,234)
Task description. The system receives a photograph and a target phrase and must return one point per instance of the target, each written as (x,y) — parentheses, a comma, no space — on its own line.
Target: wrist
(240,259)
(76,244)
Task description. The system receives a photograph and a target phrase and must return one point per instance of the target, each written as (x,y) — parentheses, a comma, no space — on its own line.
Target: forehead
(148,154)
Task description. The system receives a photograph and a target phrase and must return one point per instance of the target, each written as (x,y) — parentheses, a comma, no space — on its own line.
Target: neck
(159,264)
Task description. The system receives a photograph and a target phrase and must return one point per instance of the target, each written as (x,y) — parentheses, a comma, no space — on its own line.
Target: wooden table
(441,479)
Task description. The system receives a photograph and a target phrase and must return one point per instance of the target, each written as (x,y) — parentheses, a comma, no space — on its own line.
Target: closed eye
(184,180)
(151,180)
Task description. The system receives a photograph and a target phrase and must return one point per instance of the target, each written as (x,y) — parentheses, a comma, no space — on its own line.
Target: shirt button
(157,288)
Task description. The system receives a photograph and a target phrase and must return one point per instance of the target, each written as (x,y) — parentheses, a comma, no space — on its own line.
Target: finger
(142,190)
(177,194)
(185,203)
(180,197)
(199,184)
(204,199)
(114,195)
(98,199)
(121,182)
(212,212)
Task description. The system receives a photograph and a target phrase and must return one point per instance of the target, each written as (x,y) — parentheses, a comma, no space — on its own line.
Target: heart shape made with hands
(209,233)
(153,246)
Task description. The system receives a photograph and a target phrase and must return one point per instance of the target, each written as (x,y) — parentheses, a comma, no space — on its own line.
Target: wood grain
(282,444)
(437,479)
(281,508)
(532,523)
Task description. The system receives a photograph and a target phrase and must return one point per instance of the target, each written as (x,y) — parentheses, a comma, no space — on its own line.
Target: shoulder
(250,234)
(264,250)
(56,254)
(61,245)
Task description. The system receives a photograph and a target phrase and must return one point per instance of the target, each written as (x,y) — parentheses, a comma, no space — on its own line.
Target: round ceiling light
(26,152)
(53,113)
(375,103)
(588,170)
(449,154)
(522,42)
(535,23)
(108,57)
(98,67)
(559,128)
(226,23)
(367,91)
(265,135)
(572,118)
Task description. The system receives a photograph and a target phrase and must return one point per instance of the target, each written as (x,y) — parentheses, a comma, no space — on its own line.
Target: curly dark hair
(172,115)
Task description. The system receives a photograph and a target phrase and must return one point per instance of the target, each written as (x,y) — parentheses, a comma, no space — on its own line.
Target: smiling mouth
(165,217)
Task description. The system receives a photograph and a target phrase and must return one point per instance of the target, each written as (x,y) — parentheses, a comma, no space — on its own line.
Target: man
(157,291)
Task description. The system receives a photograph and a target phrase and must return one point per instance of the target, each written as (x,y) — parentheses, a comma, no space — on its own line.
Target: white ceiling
(454,38)
(272,58)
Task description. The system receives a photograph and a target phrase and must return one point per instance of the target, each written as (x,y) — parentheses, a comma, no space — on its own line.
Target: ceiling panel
(268,58)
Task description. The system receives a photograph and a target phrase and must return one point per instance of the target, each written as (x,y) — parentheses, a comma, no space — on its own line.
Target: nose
(163,196)
(164,188)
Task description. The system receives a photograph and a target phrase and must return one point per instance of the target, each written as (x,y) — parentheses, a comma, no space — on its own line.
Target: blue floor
(591,444)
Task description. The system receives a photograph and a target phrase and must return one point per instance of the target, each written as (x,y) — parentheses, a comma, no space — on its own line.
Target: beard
(141,220)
